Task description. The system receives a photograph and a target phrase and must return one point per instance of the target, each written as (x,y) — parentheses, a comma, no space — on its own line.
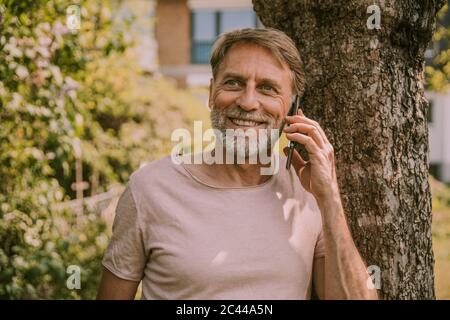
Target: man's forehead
(256,49)
(233,59)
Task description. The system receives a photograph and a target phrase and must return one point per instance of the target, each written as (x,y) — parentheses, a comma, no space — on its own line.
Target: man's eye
(267,87)
(232,83)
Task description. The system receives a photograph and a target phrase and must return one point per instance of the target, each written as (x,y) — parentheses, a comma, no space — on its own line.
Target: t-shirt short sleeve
(125,256)
(319,250)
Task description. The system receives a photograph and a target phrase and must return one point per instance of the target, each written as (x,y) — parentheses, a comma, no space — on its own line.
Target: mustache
(249,116)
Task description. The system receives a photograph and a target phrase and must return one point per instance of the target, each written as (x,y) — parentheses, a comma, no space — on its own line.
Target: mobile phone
(296,103)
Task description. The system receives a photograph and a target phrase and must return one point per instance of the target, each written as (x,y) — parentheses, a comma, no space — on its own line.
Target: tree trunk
(365,88)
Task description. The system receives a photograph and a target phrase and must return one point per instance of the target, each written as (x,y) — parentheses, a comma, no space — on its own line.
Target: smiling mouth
(245,123)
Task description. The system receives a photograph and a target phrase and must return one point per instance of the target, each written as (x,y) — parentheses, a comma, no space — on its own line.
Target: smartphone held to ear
(294,145)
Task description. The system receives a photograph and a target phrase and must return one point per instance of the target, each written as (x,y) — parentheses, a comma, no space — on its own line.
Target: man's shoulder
(162,167)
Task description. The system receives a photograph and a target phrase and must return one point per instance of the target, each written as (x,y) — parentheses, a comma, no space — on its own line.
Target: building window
(204,31)
(208,24)
(230,20)
(430,111)
(435,170)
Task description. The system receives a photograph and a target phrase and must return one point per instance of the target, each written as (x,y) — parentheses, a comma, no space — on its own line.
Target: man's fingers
(316,124)
(299,166)
(297,161)
(309,143)
(311,130)
(300,117)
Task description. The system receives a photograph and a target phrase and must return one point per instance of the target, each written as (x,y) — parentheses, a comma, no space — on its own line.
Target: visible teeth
(246,123)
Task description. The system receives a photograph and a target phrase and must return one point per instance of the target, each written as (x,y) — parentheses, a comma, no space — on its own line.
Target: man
(225,231)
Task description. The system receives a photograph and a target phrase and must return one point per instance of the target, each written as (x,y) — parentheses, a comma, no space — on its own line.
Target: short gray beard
(264,142)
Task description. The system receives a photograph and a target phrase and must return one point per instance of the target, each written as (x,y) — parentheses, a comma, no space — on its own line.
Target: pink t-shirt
(186,239)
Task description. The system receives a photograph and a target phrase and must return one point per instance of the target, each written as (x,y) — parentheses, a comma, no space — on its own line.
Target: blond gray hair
(277,42)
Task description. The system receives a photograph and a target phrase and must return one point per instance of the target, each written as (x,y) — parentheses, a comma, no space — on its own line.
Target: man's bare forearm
(345,272)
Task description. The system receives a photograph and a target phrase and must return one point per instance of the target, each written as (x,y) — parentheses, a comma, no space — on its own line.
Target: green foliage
(57,86)
(42,65)
(440,193)
(438,74)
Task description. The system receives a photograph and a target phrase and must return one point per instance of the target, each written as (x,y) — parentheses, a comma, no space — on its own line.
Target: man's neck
(234,174)
(240,175)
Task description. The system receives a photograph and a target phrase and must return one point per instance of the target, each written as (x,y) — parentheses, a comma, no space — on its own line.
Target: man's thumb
(297,160)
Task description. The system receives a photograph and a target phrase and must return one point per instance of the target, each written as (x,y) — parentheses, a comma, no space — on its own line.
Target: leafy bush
(438,72)
(55,87)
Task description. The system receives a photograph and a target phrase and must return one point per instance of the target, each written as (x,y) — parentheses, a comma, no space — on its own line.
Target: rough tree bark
(365,88)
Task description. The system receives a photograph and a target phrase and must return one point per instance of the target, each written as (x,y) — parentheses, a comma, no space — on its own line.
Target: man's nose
(248,100)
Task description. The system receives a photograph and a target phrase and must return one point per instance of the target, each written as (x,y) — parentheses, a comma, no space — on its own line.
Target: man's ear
(290,104)
(210,98)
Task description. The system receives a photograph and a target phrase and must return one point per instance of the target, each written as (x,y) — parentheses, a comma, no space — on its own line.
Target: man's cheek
(277,116)
(220,93)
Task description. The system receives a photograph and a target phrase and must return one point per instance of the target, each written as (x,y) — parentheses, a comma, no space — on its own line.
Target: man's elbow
(115,288)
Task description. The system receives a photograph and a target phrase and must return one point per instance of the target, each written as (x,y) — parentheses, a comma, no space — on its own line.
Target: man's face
(252,90)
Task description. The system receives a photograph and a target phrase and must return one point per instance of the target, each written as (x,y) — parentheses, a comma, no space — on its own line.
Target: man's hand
(318,175)
(342,273)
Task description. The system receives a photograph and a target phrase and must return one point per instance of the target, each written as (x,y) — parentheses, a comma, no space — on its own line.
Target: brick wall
(173,29)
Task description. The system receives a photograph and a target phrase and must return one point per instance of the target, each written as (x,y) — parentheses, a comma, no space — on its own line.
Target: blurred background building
(439,115)
(439,135)
(186,30)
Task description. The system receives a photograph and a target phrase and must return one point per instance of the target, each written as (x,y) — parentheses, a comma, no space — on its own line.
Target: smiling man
(225,231)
